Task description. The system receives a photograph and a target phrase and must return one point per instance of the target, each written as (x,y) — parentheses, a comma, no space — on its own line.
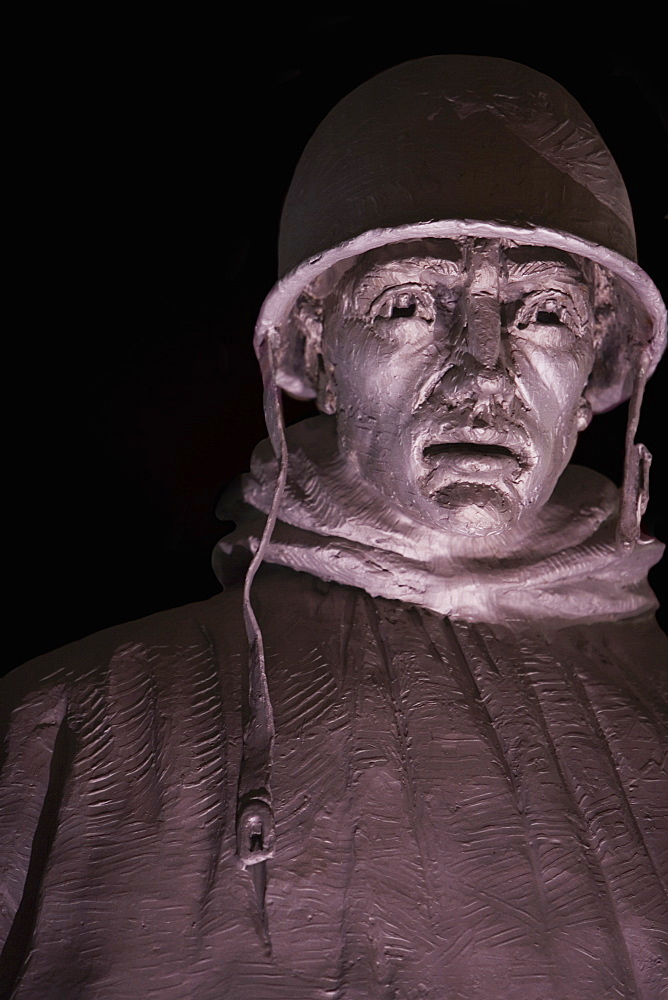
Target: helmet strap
(255,825)
(637,460)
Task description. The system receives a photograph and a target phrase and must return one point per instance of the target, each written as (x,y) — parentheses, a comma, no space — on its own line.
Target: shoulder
(161,645)
(164,648)
(628,655)
(96,711)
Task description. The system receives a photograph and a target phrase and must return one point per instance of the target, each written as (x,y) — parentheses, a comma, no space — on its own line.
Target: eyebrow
(439,264)
(539,268)
(539,262)
(387,273)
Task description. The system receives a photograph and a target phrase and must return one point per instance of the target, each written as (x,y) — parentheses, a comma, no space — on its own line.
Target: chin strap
(637,460)
(255,817)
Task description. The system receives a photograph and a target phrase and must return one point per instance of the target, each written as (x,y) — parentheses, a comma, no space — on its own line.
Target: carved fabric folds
(462,810)
(563,566)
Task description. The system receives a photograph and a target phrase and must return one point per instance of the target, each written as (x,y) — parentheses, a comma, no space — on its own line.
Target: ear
(326,390)
(584,412)
(308,361)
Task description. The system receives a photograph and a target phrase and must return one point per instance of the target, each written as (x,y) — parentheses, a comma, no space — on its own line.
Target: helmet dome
(455,146)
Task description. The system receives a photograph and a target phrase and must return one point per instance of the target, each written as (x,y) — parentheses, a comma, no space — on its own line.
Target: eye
(404,302)
(548,318)
(538,312)
(403,305)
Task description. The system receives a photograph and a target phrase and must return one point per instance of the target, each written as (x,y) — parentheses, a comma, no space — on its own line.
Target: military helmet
(465,146)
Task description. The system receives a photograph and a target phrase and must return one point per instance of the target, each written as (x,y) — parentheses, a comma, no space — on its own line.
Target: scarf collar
(562,567)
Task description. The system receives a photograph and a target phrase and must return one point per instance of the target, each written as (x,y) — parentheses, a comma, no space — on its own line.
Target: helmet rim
(280,301)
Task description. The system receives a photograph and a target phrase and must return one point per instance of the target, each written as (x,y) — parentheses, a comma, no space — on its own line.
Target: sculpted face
(458,374)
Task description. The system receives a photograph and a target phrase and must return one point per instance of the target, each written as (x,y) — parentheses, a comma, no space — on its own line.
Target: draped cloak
(470,795)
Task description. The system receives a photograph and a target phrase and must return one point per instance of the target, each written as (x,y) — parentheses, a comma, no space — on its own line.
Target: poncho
(470,795)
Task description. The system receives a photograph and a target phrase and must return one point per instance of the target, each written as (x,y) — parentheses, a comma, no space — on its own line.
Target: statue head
(460,288)
(458,373)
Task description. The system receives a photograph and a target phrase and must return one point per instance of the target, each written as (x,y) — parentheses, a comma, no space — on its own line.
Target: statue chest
(461,812)
(456,814)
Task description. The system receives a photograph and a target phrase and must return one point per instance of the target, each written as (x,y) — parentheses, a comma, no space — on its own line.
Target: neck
(507,541)
(325,494)
(559,564)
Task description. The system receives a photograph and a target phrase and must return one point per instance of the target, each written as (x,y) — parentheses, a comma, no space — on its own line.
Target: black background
(152,159)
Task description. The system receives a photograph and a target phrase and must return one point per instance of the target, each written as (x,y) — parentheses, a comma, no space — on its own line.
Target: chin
(473,509)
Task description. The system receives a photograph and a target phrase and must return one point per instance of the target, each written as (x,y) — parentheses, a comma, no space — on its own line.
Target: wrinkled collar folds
(564,568)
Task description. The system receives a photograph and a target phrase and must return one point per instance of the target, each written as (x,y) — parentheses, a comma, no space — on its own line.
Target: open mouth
(467,449)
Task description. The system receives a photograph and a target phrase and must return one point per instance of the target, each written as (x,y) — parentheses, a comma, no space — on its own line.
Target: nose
(483,326)
(481,303)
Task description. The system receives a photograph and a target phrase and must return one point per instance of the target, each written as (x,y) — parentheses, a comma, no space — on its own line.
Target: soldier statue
(416,746)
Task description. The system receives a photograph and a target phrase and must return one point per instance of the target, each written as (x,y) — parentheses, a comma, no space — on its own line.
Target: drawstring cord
(637,460)
(255,826)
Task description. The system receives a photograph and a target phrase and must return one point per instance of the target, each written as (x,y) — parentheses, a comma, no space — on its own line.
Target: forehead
(455,261)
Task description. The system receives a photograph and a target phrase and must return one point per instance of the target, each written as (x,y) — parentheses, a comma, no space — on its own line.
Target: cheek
(380,375)
(551,382)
